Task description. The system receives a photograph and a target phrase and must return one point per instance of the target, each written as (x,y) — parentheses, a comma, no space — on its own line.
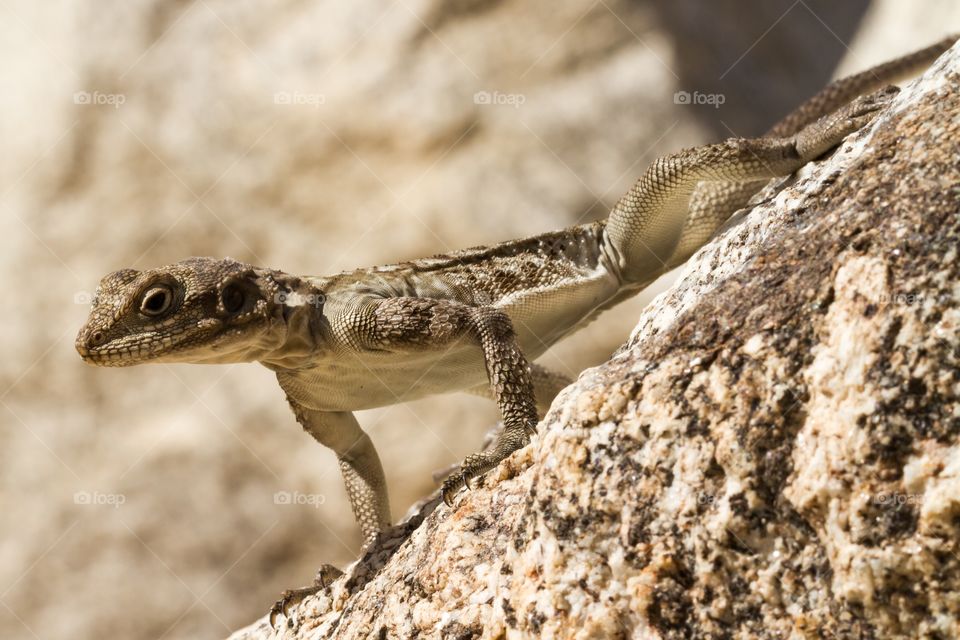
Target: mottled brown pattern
(483,275)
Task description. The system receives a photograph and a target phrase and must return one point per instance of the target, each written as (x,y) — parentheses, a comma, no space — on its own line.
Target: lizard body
(547,285)
(470,320)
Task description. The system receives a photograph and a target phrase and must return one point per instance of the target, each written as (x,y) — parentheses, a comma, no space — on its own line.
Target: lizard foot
(864,109)
(473,466)
(830,130)
(477,464)
(489,440)
(326,574)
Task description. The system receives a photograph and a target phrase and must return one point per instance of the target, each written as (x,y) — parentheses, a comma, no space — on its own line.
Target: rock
(312,136)
(774,453)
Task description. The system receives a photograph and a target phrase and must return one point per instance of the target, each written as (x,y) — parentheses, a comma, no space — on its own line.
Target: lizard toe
(865,109)
(325,576)
(451,487)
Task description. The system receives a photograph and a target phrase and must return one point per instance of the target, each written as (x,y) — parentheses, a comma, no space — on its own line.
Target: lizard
(473,320)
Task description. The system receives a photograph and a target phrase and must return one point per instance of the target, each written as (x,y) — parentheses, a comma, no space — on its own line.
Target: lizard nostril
(96,339)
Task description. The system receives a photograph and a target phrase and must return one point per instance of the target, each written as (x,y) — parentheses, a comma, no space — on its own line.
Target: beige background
(312,137)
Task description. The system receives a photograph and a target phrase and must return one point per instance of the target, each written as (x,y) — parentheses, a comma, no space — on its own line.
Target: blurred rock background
(314,137)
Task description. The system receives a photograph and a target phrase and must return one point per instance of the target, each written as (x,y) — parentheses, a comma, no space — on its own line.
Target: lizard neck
(301,332)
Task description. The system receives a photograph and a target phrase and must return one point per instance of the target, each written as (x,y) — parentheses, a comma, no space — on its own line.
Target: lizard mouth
(124,355)
(123,352)
(211,341)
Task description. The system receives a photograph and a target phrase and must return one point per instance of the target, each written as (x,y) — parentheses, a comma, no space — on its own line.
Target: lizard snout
(88,340)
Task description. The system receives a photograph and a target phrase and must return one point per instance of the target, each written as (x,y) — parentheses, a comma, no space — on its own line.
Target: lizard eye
(156,300)
(232,298)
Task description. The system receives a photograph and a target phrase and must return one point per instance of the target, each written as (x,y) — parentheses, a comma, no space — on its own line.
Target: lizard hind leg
(648,224)
(712,203)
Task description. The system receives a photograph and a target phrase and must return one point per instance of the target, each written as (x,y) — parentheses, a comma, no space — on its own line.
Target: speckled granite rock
(774,453)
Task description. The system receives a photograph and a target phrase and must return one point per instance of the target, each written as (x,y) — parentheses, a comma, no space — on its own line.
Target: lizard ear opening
(236,295)
(232,298)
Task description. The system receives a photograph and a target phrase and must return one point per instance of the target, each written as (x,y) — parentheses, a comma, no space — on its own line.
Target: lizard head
(200,310)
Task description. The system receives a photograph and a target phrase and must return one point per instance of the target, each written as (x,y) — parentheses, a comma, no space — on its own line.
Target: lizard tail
(842,91)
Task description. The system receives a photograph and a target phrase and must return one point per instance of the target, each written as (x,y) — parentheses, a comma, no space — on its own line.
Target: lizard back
(549,284)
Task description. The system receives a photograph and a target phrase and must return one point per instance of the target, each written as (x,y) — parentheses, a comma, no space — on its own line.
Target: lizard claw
(512,438)
(452,485)
(472,468)
(325,576)
(280,606)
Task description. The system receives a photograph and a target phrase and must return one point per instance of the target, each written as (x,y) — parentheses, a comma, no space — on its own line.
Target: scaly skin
(472,320)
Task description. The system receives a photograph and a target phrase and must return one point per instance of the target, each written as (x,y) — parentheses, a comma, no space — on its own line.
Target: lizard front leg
(546,385)
(424,323)
(509,376)
(359,464)
(362,475)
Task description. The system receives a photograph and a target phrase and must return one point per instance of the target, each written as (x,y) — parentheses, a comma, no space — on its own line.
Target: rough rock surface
(773,454)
